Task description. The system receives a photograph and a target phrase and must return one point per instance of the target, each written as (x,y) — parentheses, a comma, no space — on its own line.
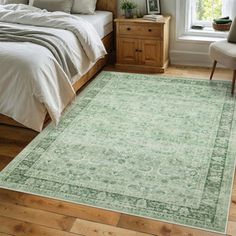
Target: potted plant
(128,7)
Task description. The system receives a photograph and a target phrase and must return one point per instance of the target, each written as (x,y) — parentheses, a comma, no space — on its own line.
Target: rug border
(234,171)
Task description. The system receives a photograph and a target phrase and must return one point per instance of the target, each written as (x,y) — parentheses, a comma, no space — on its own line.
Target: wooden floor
(24,214)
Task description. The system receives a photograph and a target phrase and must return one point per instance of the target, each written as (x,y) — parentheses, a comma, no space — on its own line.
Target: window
(204,11)
(190,12)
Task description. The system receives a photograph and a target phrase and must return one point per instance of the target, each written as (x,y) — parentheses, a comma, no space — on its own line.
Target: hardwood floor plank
(95,229)
(17,133)
(65,208)
(199,72)
(159,228)
(36,216)
(231,230)
(20,228)
(187,231)
(144,225)
(3,234)
(4,161)
(232,212)
(10,149)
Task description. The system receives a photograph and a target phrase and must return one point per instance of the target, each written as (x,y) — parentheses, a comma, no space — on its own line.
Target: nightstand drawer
(140,30)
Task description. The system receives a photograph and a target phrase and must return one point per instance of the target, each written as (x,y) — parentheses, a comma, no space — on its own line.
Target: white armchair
(224,52)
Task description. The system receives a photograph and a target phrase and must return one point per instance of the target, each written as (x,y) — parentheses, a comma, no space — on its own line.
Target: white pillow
(84,6)
(52,5)
(4,2)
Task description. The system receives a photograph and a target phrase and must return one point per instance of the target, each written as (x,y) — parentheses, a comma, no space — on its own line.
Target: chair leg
(233,82)
(213,69)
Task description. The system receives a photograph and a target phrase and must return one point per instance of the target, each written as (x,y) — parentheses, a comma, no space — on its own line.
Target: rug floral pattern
(151,146)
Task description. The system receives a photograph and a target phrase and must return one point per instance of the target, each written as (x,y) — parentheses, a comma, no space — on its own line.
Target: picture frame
(153,7)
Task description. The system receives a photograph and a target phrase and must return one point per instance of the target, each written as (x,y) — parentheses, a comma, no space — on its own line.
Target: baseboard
(189,58)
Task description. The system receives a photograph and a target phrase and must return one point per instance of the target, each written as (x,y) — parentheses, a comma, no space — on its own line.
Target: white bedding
(102,21)
(32,82)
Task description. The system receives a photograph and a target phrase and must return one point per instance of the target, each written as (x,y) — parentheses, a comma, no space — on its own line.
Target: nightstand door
(151,54)
(127,50)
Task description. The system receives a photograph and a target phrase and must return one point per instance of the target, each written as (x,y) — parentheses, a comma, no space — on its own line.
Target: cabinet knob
(137,50)
(128,28)
(149,30)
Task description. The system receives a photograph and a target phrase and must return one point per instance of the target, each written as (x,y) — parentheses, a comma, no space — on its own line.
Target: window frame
(205,23)
(183,24)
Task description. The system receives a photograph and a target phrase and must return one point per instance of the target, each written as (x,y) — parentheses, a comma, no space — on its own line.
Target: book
(153,17)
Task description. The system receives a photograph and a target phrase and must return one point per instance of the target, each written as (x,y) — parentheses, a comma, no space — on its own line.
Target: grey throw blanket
(50,41)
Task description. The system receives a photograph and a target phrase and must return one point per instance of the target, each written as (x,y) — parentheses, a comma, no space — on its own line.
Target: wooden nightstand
(142,45)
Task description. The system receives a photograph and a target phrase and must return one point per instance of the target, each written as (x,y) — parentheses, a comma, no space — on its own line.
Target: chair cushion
(224,53)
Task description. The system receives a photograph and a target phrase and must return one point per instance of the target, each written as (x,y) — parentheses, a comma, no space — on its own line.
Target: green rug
(150,146)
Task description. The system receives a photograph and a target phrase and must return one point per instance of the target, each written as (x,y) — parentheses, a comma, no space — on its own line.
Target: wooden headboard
(107,5)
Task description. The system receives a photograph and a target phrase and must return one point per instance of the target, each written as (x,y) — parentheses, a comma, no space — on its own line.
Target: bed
(103,23)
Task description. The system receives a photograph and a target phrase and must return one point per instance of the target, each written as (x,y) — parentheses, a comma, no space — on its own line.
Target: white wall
(181,52)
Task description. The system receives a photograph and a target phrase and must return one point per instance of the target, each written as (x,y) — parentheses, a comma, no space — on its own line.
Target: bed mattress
(102,21)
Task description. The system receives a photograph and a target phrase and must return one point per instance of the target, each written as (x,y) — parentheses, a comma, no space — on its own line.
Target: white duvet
(32,82)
